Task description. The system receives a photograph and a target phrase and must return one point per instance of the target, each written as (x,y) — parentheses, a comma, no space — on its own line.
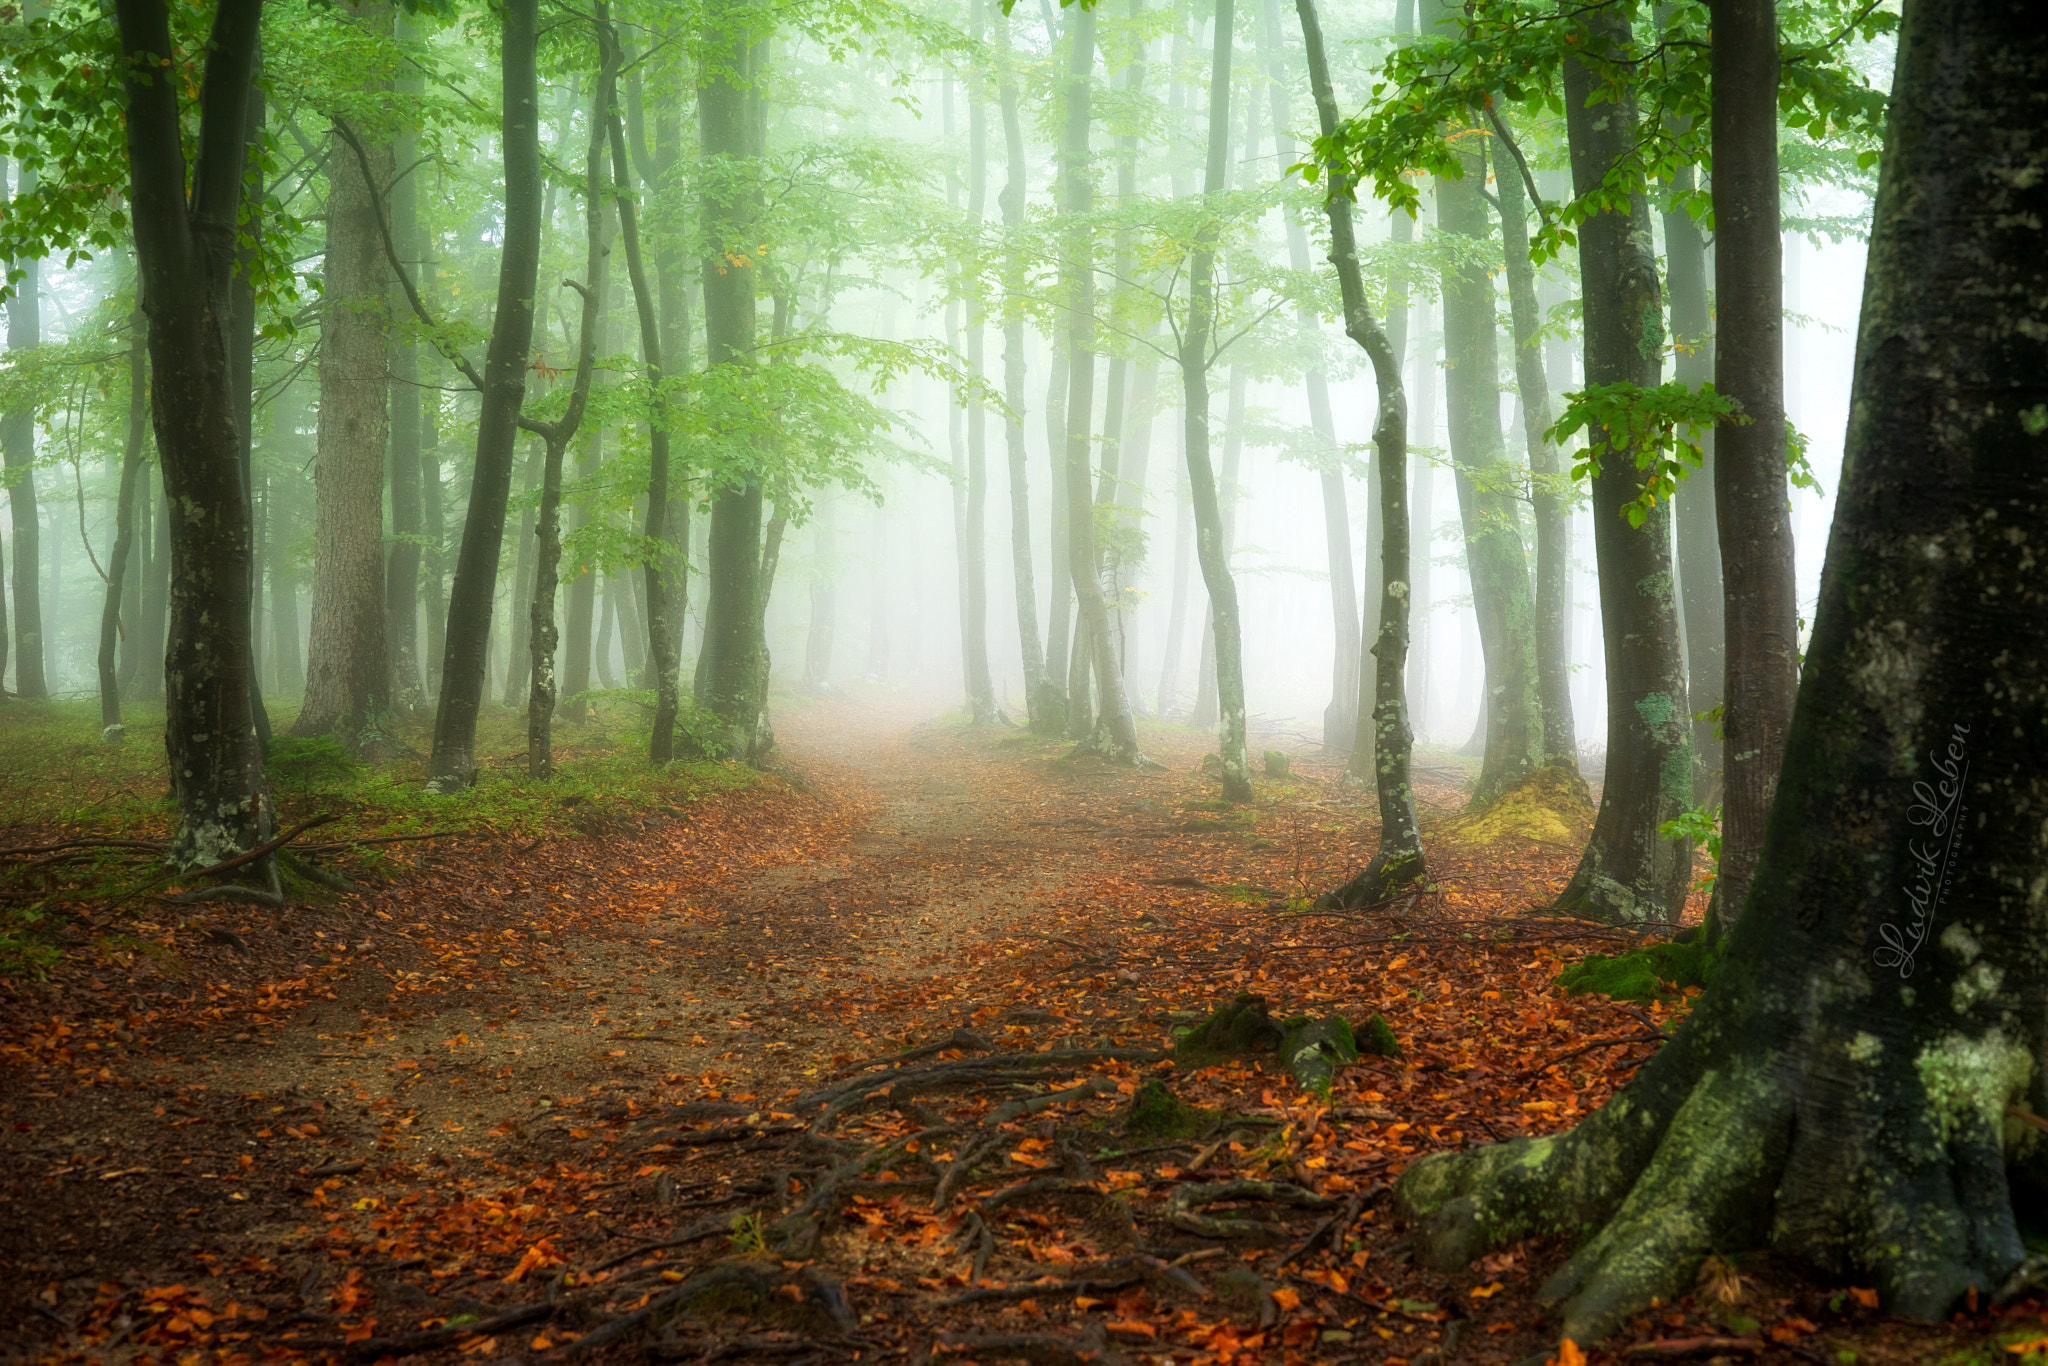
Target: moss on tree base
(1646,974)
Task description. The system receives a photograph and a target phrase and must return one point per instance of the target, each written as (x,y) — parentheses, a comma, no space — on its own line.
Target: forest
(1137,682)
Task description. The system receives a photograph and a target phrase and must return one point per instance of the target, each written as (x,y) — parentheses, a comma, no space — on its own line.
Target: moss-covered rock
(1644,974)
(1276,764)
(1243,1025)
(1157,1113)
(1375,1038)
(1315,1049)
(1550,806)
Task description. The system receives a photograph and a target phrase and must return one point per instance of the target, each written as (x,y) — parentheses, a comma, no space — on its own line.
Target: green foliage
(1646,974)
(1660,427)
(1156,1113)
(309,763)
(1701,828)
(26,950)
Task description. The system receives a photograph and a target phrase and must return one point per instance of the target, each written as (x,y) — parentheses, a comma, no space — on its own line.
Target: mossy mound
(1157,1113)
(1277,765)
(1375,1038)
(1244,1024)
(1314,1048)
(1551,806)
(1645,974)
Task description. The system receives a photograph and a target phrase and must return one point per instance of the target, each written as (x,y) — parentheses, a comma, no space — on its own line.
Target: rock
(1314,1050)
(1276,764)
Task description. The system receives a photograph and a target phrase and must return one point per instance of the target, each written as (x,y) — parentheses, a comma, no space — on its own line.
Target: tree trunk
(1755,522)
(434,529)
(1056,642)
(1699,550)
(1843,1094)
(186,255)
(726,684)
(1212,546)
(1422,422)
(288,670)
(1629,872)
(18,448)
(402,562)
(1177,608)
(1494,554)
(147,684)
(348,671)
(1548,486)
(1041,696)
(1399,860)
(133,449)
(465,658)
(1207,710)
(519,673)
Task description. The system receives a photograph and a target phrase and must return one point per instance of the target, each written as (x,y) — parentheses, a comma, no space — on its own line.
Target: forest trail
(449,1101)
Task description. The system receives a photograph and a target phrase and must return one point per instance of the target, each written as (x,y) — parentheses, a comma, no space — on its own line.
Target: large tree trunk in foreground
(348,677)
(1760,596)
(185,252)
(1399,860)
(1629,872)
(1841,1093)
(465,657)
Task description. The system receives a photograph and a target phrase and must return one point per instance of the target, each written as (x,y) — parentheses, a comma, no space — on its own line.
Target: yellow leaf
(1287,1299)
(1482,1292)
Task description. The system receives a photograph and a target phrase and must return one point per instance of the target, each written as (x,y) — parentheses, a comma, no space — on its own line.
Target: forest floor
(837,1064)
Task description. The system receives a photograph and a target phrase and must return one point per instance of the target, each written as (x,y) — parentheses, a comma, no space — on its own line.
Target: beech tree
(1856,1089)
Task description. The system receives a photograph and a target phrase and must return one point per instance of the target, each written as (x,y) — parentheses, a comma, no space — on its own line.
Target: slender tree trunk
(402,562)
(1177,609)
(348,673)
(185,232)
(18,447)
(1848,1093)
(1699,549)
(1207,709)
(1494,554)
(607,618)
(1056,642)
(465,658)
(519,673)
(726,682)
(433,526)
(118,576)
(1399,860)
(1423,423)
(981,689)
(542,636)
(1629,872)
(1212,547)
(1546,480)
(1042,697)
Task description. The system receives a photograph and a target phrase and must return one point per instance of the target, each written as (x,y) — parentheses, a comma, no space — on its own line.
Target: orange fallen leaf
(1866,1298)
(1287,1298)
(1481,1292)
(1131,1328)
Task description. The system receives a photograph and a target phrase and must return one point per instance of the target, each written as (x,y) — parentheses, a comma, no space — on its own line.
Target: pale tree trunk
(18,448)
(981,690)
(1629,871)
(348,677)
(1848,1093)
(132,451)
(1399,862)
(402,562)
(1212,550)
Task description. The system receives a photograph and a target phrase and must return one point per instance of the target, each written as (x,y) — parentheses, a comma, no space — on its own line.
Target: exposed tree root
(1182,1204)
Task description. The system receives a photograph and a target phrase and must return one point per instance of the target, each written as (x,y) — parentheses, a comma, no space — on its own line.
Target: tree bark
(1755,520)
(18,451)
(465,658)
(1399,861)
(1041,697)
(1844,1093)
(185,240)
(1547,485)
(1212,549)
(348,670)
(981,688)
(1699,550)
(1629,872)
(133,449)
(402,562)
(1495,557)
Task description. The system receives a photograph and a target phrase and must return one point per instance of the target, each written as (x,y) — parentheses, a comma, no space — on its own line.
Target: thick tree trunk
(1755,521)
(1494,554)
(18,451)
(1212,545)
(1629,872)
(1699,549)
(132,450)
(1399,860)
(402,561)
(465,659)
(1041,697)
(1547,483)
(348,674)
(1844,1094)
(726,683)
(186,256)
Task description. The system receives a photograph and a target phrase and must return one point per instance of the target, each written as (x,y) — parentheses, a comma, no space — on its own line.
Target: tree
(1197,355)
(348,671)
(133,448)
(1846,1091)
(18,451)
(185,246)
(465,656)
(408,403)
(1755,521)
(981,693)
(1629,871)
(1399,860)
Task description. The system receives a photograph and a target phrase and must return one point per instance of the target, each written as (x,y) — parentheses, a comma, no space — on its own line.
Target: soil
(253,1136)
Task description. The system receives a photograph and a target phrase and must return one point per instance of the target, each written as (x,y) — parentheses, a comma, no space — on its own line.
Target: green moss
(1243,1025)
(1315,1049)
(1656,709)
(1551,805)
(1276,764)
(1375,1038)
(1157,1113)
(1646,974)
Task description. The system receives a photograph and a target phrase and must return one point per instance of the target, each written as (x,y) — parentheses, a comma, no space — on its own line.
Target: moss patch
(1242,1025)
(1375,1038)
(1645,974)
(1551,805)
(1157,1113)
